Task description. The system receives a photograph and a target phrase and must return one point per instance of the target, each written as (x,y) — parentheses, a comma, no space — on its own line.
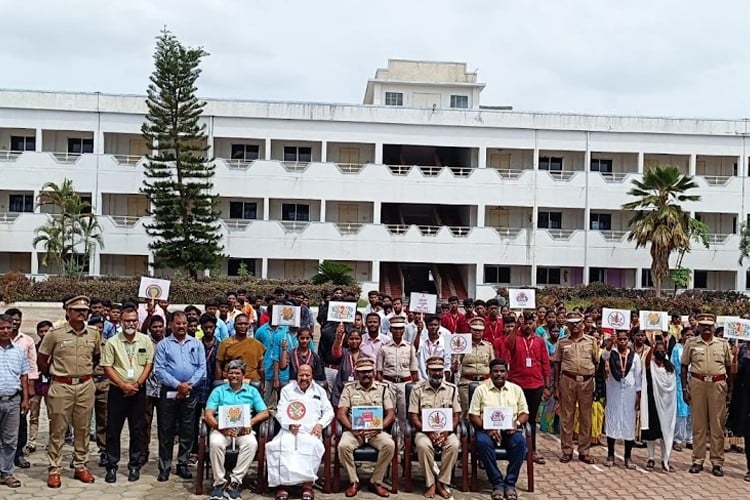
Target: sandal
(629,464)
(511,494)
(610,462)
(650,465)
(587,459)
(667,468)
(539,460)
(282,495)
(497,495)
(308,494)
(11,482)
(566,457)
(747,476)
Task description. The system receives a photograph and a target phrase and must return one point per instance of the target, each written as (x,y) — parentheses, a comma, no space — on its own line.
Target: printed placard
(296,413)
(522,298)
(284,315)
(459,343)
(737,329)
(342,312)
(616,319)
(721,320)
(423,303)
(153,288)
(654,320)
(437,420)
(234,416)
(498,418)
(367,418)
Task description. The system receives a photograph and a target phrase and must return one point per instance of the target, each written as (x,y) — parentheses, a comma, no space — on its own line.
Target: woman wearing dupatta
(623,398)
(658,404)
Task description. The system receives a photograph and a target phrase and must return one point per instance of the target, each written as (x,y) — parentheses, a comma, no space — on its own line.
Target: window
(597,274)
(21,203)
(295,212)
(394,99)
(243,210)
(245,152)
(549,220)
(548,276)
(297,154)
(460,101)
(233,266)
(601,222)
(599,165)
(551,163)
(700,279)
(78,146)
(646,281)
(87,206)
(20,143)
(496,274)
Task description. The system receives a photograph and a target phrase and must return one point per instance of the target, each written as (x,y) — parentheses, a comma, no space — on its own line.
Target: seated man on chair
(435,392)
(494,393)
(365,391)
(295,453)
(234,392)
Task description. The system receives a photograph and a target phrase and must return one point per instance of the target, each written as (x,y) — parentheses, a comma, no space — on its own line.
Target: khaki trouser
(426,457)
(35,403)
(574,393)
(398,390)
(463,396)
(69,404)
(218,443)
(100,414)
(382,442)
(708,404)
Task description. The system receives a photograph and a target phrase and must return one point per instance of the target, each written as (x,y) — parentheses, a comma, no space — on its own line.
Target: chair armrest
(395,430)
(203,428)
(266,428)
(461,429)
(470,430)
(527,430)
(338,429)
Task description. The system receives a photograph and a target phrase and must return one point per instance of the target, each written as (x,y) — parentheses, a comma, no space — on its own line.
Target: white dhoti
(292,460)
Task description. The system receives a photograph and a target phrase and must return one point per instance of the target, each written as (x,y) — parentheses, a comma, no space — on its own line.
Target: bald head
(304,376)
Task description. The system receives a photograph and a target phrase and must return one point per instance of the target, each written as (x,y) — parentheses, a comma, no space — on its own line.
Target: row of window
(397,99)
(501,275)
(76,145)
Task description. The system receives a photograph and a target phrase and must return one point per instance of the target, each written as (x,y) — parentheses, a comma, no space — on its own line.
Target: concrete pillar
(482,157)
(481,209)
(641,162)
(691,164)
(375,273)
(39,138)
(324,151)
(267,155)
(378,153)
(264,268)
(98,142)
(266,208)
(322,210)
(536,157)
(150,258)
(638,276)
(376,206)
(98,201)
(740,280)
(34,262)
(37,207)
(533,275)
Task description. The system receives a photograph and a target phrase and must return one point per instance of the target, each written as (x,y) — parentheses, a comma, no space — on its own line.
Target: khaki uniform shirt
(577,356)
(378,394)
(710,358)
(124,356)
(477,362)
(397,360)
(425,396)
(72,352)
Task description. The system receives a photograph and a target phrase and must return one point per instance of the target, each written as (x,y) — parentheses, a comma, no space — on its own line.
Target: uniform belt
(577,377)
(475,378)
(709,378)
(8,398)
(100,378)
(71,380)
(397,380)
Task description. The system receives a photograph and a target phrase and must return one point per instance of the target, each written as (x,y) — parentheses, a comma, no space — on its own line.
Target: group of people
(123,362)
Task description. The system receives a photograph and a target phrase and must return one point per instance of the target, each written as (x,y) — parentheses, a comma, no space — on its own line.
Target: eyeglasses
(241,324)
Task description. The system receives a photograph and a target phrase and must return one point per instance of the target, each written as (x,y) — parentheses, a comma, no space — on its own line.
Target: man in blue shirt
(271,337)
(234,392)
(180,366)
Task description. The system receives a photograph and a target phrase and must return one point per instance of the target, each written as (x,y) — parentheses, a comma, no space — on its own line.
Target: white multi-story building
(419,187)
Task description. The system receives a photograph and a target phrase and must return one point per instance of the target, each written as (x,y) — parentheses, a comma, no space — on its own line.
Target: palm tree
(89,234)
(744,243)
(337,273)
(52,238)
(658,219)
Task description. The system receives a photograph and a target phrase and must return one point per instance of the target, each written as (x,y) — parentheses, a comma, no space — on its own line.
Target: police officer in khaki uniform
(475,366)
(68,355)
(708,359)
(397,366)
(365,392)
(435,393)
(575,363)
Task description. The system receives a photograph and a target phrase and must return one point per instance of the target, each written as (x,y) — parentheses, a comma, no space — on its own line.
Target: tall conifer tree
(185,226)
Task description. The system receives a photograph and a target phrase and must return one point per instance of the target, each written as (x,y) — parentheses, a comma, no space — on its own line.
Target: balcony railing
(429,171)
(67,157)
(350,168)
(348,227)
(610,235)
(509,173)
(717,180)
(128,160)
(124,220)
(717,238)
(237,164)
(615,176)
(8,217)
(508,232)
(295,166)
(460,231)
(398,229)
(293,226)
(561,175)
(428,230)
(237,224)
(461,171)
(10,155)
(560,234)
(399,169)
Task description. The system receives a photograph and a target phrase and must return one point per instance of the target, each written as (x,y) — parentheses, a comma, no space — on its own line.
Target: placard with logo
(285,315)
(367,418)
(616,319)
(522,298)
(234,416)
(654,320)
(459,343)
(737,329)
(437,420)
(423,303)
(296,413)
(342,312)
(153,288)
(498,418)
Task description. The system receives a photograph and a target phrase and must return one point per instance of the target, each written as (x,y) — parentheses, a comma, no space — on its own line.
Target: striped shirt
(13,364)
(26,344)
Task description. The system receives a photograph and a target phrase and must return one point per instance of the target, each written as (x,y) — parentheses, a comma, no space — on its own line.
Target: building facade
(419,188)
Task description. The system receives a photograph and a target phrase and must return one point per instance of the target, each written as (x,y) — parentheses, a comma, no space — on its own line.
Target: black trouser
(119,408)
(533,399)
(199,407)
(747,443)
(175,416)
(23,436)
(611,448)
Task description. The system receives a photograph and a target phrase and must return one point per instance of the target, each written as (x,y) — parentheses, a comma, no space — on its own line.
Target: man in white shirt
(435,345)
(398,310)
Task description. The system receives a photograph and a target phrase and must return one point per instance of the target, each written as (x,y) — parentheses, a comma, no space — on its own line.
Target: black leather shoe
(134,474)
(695,468)
(111,476)
(22,463)
(717,471)
(103,460)
(183,472)
(163,476)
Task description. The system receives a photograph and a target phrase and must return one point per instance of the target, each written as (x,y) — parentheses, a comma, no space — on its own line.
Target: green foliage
(243,271)
(744,243)
(681,277)
(658,220)
(71,234)
(178,177)
(336,273)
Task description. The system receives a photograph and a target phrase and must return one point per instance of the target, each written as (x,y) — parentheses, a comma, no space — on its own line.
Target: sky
(683,58)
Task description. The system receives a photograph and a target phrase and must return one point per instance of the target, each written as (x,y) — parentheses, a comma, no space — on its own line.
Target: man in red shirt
(529,364)
(509,324)
(493,324)
(463,324)
(451,319)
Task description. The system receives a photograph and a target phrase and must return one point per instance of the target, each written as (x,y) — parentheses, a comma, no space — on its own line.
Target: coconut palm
(744,243)
(658,219)
(337,273)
